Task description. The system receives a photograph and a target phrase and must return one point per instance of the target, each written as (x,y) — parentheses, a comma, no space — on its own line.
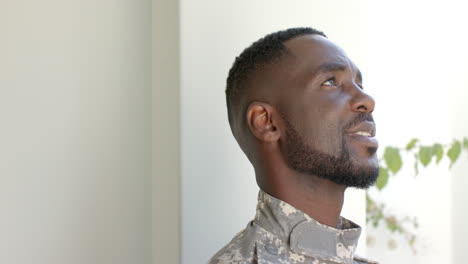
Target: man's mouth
(365,128)
(364,133)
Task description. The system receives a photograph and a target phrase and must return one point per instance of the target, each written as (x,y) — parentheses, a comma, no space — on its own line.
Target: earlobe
(261,122)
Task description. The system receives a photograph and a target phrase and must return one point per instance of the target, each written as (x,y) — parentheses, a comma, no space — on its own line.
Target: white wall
(75,142)
(459,121)
(218,185)
(459,175)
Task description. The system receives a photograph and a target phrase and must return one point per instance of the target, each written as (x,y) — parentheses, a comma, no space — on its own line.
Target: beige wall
(75,124)
(166,108)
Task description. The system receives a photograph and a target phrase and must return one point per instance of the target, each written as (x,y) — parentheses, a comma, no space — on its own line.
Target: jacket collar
(304,234)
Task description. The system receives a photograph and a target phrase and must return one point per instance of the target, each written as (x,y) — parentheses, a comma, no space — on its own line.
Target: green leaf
(412,143)
(438,151)
(392,227)
(393,159)
(454,151)
(416,164)
(465,143)
(392,224)
(375,224)
(382,179)
(425,155)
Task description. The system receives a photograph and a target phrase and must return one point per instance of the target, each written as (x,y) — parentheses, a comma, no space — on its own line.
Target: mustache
(361,117)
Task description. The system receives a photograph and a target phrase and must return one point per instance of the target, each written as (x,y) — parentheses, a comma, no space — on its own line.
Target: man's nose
(362,102)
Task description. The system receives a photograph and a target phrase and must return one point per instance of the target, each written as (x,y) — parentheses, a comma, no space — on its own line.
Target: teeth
(362,133)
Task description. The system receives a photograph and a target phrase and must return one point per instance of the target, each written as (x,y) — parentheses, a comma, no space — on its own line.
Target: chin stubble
(336,168)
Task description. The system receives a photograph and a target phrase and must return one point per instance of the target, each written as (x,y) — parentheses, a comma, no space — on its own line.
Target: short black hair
(260,53)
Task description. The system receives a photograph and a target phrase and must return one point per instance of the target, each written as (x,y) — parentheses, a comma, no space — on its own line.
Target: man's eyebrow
(335,66)
(329,67)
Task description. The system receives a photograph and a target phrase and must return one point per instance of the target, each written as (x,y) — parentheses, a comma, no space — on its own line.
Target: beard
(337,168)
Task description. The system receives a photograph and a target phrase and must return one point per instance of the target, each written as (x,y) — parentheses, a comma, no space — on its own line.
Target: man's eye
(330,82)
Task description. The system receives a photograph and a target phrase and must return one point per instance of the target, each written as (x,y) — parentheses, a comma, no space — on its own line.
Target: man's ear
(261,120)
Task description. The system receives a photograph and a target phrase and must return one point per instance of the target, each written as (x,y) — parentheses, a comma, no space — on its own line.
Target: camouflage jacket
(282,234)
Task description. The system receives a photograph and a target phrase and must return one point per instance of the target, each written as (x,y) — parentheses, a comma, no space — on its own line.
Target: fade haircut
(261,53)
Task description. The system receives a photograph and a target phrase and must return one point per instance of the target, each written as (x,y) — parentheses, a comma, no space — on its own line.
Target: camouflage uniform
(282,234)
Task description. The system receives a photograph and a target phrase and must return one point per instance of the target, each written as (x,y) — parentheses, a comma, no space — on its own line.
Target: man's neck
(319,198)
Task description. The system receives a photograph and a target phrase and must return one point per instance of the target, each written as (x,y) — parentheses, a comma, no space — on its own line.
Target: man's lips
(365,128)
(364,132)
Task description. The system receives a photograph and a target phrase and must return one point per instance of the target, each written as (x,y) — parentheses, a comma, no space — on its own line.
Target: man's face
(329,130)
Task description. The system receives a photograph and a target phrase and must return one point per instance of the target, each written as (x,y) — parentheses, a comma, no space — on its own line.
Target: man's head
(296,100)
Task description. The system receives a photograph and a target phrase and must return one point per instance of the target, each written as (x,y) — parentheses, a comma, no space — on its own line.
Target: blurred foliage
(390,165)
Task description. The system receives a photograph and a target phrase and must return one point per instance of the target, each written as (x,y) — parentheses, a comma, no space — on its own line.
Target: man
(298,110)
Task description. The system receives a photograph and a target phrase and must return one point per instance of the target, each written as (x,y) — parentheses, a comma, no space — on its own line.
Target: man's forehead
(313,54)
(316,48)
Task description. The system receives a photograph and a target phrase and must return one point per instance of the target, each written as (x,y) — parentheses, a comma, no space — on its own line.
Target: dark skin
(319,88)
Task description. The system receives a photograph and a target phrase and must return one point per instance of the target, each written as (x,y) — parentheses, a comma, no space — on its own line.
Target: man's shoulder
(241,249)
